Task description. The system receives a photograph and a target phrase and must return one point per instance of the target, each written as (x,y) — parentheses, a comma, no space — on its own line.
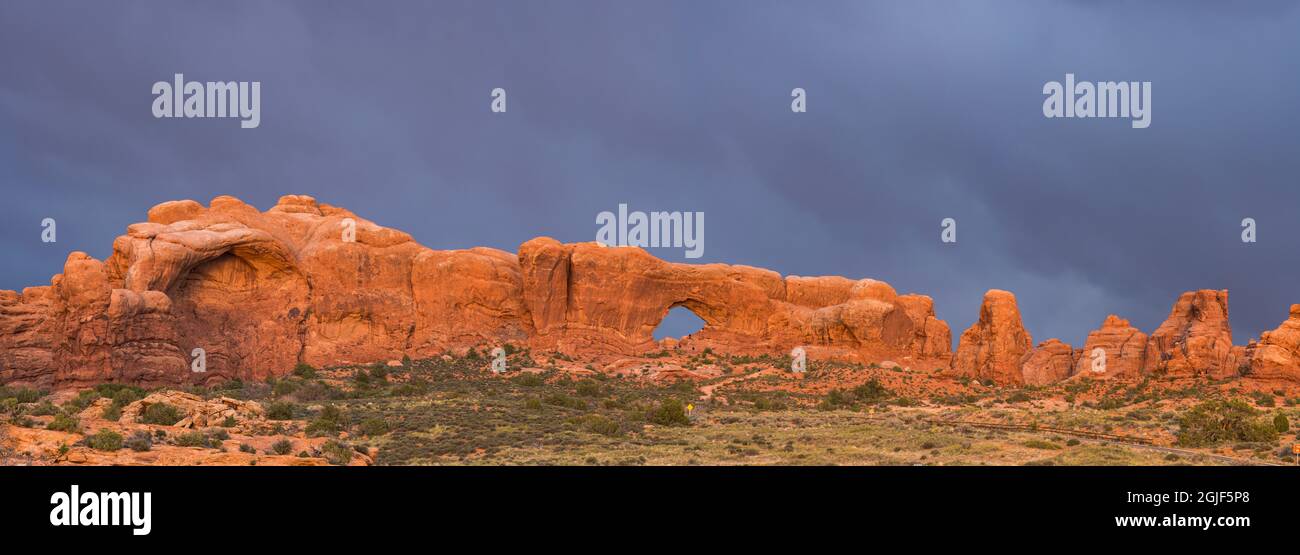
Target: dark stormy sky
(917,111)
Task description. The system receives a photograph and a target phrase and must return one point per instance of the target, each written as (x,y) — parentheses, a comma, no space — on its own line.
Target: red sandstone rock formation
(1277,354)
(1195,340)
(1050,362)
(1123,348)
(996,345)
(262,291)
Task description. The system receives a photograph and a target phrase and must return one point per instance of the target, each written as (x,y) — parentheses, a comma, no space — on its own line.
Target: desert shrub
(112,412)
(304,371)
(530,380)
(1040,444)
(327,422)
(161,414)
(337,452)
(1281,423)
(44,408)
(284,387)
(670,412)
(282,447)
(1072,442)
(218,434)
(280,410)
(82,400)
(1217,421)
(139,441)
(588,388)
(533,403)
(1018,397)
(602,425)
(65,423)
(21,394)
(372,427)
(196,439)
(1264,399)
(562,400)
(317,391)
(361,378)
(229,422)
(871,392)
(246,448)
(105,440)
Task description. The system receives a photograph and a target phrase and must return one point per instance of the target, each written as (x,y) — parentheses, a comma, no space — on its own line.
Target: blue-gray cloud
(918,111)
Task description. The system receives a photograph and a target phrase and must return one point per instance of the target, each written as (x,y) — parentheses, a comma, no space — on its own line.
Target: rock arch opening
(679,323)
(237,308)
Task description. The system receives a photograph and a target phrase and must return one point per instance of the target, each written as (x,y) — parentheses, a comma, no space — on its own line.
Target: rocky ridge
(305,282)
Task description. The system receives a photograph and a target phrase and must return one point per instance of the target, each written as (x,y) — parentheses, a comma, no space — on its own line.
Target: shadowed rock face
(262,291)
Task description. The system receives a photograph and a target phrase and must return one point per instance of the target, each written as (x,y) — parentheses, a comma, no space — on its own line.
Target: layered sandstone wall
(259,292)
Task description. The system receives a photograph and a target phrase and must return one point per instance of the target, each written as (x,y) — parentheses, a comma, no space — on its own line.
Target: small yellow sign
(1295,448)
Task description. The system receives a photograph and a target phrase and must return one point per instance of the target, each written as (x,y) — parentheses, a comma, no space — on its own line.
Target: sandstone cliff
(259,292)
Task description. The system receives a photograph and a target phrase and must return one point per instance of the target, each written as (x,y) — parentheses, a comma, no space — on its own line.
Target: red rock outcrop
(258,292)
(1050,362)
(1123,350)
(995,347)
(1276,356)
(585,298)
(1195,340)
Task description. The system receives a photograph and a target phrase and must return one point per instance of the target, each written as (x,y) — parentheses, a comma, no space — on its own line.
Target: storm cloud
(917,111)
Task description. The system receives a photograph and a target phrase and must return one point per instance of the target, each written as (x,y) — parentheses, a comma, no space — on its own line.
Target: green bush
(598,424)
(140,441)
(328,422)
(372,427)
(246,448)
(196,439)
(282,447)
(337,452)
(588,388)
(161,414)
(280,410)
(530,380)
(670,412)
(562,400)
(21,394)
(1217,421)
(65,423)
(1281,424)
(44,408)
(105,440)
(112,412)
(304,371)
(871,392)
